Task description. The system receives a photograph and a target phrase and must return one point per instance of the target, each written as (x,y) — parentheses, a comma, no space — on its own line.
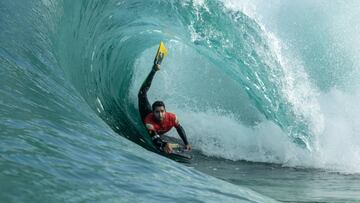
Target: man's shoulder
(171,114)
(173,118)
(149,117)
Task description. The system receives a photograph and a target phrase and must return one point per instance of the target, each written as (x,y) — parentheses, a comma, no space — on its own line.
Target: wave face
(62,75)
(245,82)
(246,85)
(241,74)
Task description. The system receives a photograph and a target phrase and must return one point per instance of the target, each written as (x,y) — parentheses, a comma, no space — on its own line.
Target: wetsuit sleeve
(182,134)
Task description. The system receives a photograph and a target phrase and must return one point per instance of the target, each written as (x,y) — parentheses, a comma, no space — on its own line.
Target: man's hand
(188,147)
(168,148)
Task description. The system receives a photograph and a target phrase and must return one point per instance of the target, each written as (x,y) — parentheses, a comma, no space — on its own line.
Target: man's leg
(144,105)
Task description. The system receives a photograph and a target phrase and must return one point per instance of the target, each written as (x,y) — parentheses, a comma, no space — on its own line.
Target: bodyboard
(179,153)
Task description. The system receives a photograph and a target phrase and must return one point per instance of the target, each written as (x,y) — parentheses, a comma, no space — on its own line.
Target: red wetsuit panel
(163,127)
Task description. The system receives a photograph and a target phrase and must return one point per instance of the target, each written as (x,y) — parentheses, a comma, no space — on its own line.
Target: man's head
(159,110)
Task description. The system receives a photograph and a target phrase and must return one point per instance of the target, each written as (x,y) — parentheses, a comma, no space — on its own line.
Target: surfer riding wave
(156,119)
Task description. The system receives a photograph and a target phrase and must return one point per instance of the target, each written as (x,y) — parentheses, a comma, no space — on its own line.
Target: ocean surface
(267,93)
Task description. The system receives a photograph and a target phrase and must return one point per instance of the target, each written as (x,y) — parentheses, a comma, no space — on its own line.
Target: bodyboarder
(155,117)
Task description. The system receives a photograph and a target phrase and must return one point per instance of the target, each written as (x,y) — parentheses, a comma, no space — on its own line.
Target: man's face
(159,113)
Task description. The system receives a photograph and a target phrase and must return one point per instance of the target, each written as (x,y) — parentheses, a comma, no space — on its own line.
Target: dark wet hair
(157,103)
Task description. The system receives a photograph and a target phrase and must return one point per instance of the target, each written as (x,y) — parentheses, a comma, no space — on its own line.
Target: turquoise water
(266,93)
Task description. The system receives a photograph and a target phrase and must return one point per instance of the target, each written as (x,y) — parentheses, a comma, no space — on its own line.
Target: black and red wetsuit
(156,129)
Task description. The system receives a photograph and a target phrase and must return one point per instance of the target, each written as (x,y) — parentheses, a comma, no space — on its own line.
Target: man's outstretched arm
(182,134)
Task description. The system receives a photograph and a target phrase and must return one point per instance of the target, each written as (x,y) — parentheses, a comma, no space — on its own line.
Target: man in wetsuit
(155,117)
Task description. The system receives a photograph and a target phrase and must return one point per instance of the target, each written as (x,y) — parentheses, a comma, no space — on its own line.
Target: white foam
(221,135)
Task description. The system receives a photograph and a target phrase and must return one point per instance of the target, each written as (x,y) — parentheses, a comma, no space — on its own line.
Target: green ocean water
(267,94)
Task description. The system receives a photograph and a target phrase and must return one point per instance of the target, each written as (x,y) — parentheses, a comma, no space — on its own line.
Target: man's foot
(156,67)
(159,58)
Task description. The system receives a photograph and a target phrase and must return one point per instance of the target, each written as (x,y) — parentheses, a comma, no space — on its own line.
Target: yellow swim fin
(160,54)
